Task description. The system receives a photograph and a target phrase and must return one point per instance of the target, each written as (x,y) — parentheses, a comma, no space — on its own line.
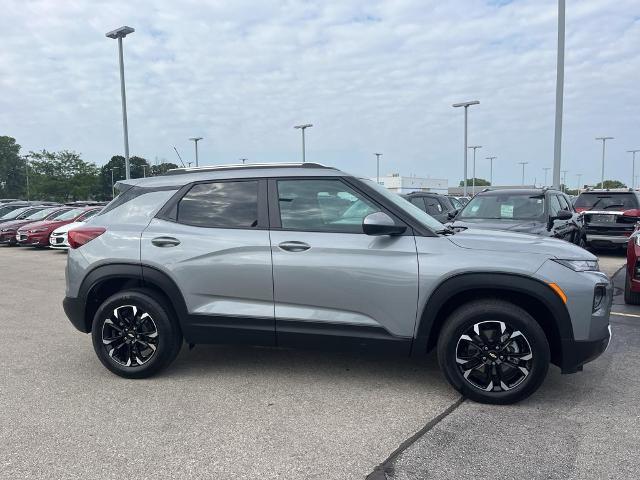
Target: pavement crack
(380,472)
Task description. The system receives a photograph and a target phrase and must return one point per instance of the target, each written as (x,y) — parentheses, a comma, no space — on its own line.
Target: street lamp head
(633,151)
(605,138)
(475,146)
(306,125)
(378,154)
(120,32)
(195,139)
(466,104)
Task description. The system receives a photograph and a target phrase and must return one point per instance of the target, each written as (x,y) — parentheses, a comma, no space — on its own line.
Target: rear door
(213,242)
(333,284)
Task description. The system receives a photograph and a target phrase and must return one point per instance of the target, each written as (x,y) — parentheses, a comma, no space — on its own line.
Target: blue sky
(372,76)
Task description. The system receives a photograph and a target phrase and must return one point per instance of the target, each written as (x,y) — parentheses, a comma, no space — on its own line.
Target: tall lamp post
(119,34)
(113,185)
(604,141)
(196,140)
(579,175)
(564,179)
(303,128)
(466,106)
(546,170)
(523,164)
(378,155)
(26,169)
(633,175)
(473,179)
(557,139)
(491,159)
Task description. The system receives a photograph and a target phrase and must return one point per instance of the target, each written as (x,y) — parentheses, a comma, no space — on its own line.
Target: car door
(574,224)
(559,228)
(334,285)
(212,240)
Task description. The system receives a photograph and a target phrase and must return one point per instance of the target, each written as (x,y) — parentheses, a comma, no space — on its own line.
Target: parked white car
(59,240)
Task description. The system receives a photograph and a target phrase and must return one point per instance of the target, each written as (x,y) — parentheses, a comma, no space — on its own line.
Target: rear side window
(607,201)
(220,205)
(418,202)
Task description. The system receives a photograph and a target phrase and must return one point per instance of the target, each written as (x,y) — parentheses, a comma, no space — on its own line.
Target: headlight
(7,230)
(38,230)
(580,265)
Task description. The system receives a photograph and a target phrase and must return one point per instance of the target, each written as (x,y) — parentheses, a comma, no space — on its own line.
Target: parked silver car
(302,255)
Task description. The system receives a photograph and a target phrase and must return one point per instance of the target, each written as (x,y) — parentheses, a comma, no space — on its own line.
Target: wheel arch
(536,297)
(105,280)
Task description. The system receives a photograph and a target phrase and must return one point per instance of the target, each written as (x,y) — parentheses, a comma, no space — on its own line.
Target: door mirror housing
(380,223)
(564,215)
(452,214)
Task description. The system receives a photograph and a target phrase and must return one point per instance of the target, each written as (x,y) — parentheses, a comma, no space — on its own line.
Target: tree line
(64,176)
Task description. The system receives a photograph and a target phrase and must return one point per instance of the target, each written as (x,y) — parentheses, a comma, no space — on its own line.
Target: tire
(141,340)
(480,324)
(630,298)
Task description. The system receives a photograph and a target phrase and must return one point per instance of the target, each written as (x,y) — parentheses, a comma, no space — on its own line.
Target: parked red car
(9,229)
(37,234)
(632,280)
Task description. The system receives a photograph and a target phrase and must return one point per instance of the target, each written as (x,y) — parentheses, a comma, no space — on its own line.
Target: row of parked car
(42,224)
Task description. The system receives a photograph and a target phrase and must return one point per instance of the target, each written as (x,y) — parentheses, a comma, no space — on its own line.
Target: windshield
(68,214)
(14,213)
(87,215)
(7,208)
(41,214)
(606,201)
(504,206)
(421,216)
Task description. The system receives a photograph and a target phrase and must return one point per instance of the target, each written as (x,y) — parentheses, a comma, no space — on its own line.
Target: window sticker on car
(506,211)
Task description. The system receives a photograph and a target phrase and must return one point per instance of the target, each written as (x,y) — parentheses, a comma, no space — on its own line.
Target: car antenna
(183,165)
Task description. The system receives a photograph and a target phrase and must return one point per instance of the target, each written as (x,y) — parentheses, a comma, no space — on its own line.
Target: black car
(610,216)
(436,205)
(538,211)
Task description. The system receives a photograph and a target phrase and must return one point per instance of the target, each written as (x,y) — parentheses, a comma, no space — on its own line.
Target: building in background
(457,191)
(399,184)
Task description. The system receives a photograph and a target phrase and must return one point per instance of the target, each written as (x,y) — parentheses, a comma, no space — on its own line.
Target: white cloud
(370,75)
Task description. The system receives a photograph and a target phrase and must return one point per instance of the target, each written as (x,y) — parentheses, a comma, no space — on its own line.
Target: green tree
(12,169)
(611,184)
(480,182)
(137,165)
(162,168)
(61,176)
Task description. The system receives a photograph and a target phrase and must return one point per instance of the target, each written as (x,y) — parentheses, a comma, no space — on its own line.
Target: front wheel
(134,334)
(630,297)
(493,351)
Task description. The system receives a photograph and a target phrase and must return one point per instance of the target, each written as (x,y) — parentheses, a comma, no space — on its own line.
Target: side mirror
(380,223)
(564,215)
(452,214)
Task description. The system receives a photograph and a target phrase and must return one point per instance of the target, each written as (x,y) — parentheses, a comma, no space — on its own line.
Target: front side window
(433,206)
(418,202)
(69,215)
(220,205)
(322,205)
(554,205)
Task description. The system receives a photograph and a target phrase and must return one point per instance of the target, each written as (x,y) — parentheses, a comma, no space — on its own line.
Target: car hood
(14,224)
(503,241)
(67,227)
(50,224)
(526,226)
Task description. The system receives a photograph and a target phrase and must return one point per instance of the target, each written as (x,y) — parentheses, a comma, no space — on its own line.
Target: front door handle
(165,242)
(294,246)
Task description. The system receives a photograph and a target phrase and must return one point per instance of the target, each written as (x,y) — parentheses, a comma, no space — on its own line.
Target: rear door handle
(294,246)
(165,242)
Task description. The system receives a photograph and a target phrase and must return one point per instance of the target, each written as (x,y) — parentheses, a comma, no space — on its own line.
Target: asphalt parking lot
(240,412)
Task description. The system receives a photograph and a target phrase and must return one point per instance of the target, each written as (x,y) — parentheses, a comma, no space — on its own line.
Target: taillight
(581,209)
(634,212)
(81,235)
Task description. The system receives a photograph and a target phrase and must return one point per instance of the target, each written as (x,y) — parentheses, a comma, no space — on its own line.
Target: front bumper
(74,308)
(59,242)
(36,240)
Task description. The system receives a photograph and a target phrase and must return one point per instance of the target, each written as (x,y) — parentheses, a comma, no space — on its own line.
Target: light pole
(303,128)
(557,139)
(26,169)
(491,159)
(119,34)
(243,160)
(604,141)
(564,179)
(633,175)
(144,171)
(113,185)
(195,140)
(523,164)
(473,179)
(466,106)
(579,175)
(378,155)
(546,170)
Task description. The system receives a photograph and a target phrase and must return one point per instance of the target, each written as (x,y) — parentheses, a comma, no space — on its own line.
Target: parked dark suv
(438,206)
(302,255)
(610,216)
(544,212)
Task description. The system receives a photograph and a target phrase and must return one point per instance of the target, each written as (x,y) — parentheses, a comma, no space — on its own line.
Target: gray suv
(302,255)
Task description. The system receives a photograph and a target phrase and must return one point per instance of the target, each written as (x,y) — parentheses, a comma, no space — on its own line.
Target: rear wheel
(493,351)
(134,334)
(630,297)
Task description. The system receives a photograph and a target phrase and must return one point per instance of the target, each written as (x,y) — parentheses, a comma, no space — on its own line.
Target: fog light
(599,295)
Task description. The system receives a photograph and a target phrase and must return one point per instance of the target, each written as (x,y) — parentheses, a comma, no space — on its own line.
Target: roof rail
(244,166)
